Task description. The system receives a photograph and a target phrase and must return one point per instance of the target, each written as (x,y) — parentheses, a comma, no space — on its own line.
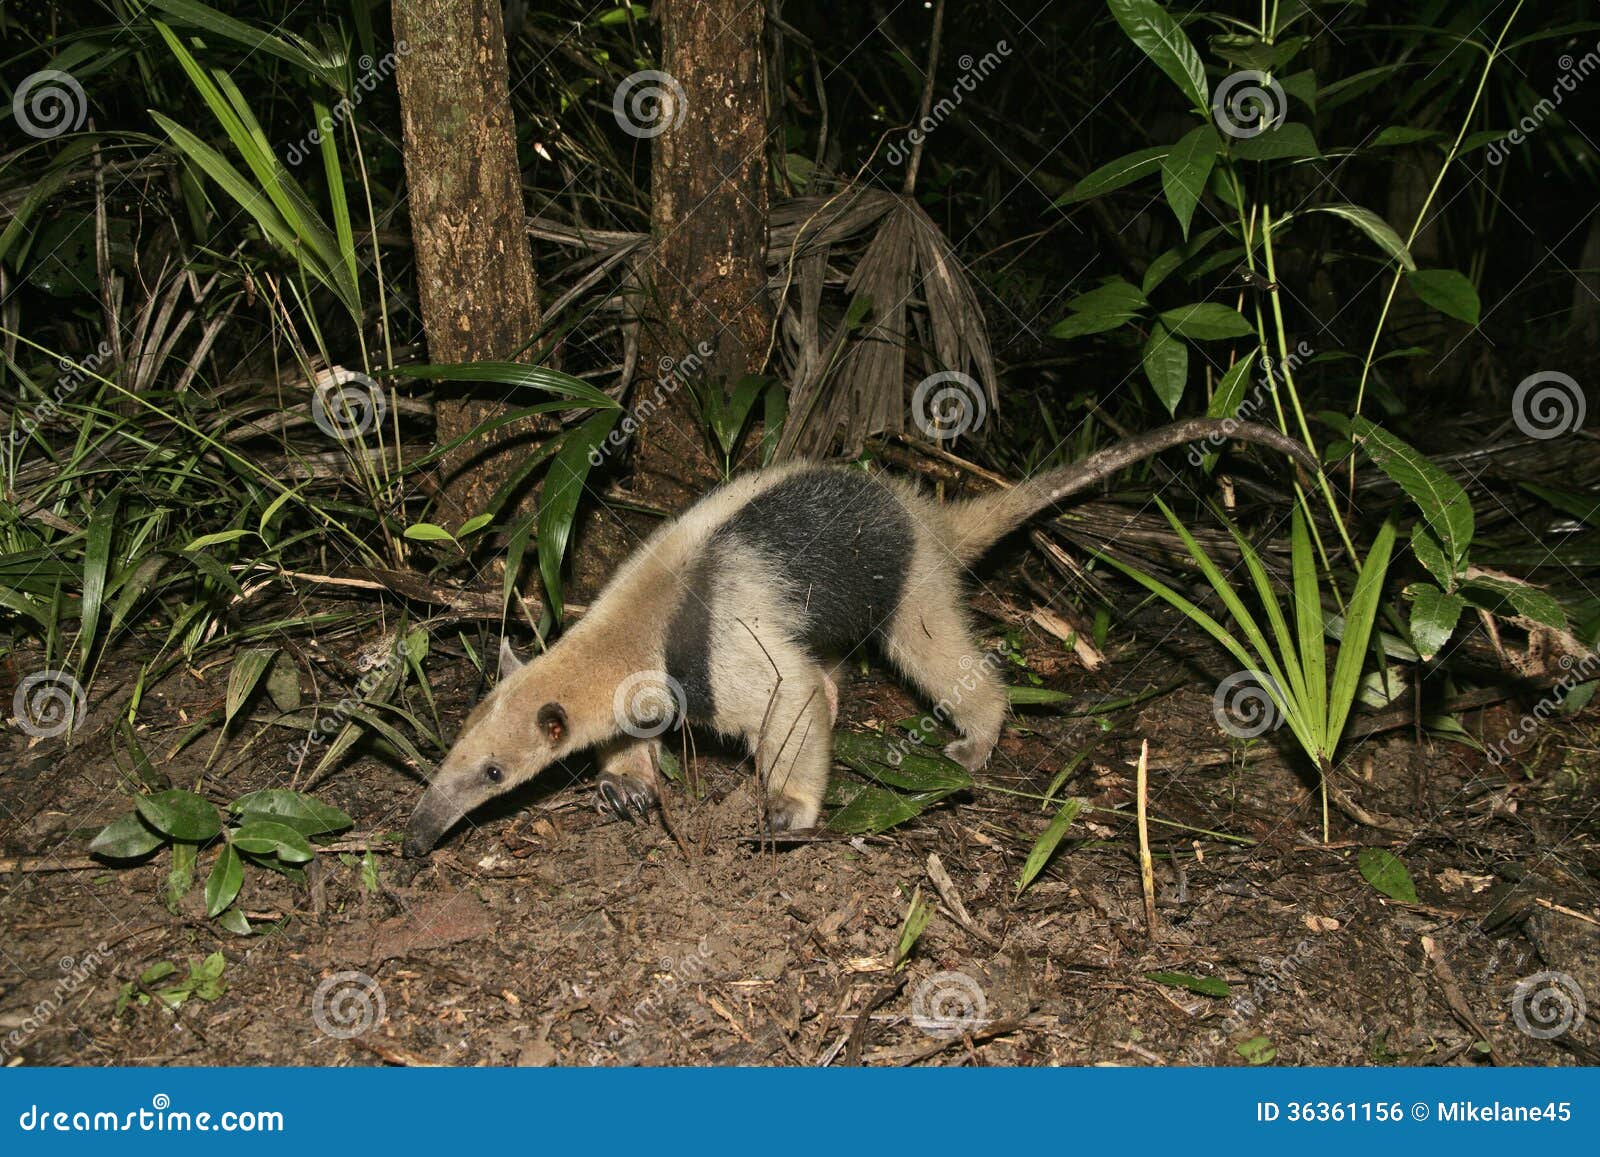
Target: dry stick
(921,138)
(1146,871)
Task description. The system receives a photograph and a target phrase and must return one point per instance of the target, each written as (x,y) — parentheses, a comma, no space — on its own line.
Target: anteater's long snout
(436,814)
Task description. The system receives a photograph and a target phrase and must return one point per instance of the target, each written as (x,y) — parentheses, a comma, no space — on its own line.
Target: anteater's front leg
(794,748)
(628,786)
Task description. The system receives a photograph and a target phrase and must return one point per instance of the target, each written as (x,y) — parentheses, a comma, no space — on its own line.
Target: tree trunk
(708,219)
(475,278)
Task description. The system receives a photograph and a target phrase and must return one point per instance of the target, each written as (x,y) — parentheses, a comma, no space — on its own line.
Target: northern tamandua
(723,615)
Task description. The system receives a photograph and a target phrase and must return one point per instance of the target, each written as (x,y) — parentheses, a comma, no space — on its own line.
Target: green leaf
(558,503)
(1430,553)
(917,916)
(1258,1050)
(1386,872)
(308,816)
(96,566)
(474,524)
(1360,615)
(1447,291)
(1162,268)
(248,667)
(1494,594)
(909,766)
(1045,846)
(1114,175)
(1204,985)
(235,921)
(514,374)
(1022,696)
(1396,135)
(1302,86)
(428,532)
(1207,321)
(1583,507)
(271,838)
(227,876)
(126,838)
(877,809)
(1441,499)
(1434,615)
(180,814)
(1227,399)
(1160,38)
(1185,171)
(1084,324)
(1114,296)
(1290,140)
(1166,364)
(1374,227)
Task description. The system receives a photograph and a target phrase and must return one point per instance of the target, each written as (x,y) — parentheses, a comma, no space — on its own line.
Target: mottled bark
(475,280)
(708,219)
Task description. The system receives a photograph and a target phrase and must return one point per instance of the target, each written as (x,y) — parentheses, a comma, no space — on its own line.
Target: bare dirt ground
(544,934)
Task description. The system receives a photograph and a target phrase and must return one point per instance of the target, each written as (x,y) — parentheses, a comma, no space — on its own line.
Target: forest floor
(543,933)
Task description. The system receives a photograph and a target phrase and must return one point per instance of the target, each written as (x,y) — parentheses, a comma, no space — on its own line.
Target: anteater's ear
(508,658)
(553,722)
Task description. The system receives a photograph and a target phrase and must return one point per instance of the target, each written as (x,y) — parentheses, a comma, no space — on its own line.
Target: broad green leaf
(558,502)
(1396,135)
(1447,291)
(1494,594)
(1258,1050)
(1374,227)
(1166,364)
(1386,872)
(1302,86)
(224,882)
(308,816)
(1434,615)
(272,838)
(1204,985)
(1114,175)
(1360,615)
(917,916)
(1441,499)
(126,838)
(1084,324)
(474,524)
(1430,553)
(1207,321)
(514,374)
(235,921)
(877,809)
(1114,296)
(1160,38)
(909,766)
(1162,268)
(428,532)
(180,814)
(180,876)
(1289,141)
(248,667)
(1185,171)
(1228,397)
(1045,846)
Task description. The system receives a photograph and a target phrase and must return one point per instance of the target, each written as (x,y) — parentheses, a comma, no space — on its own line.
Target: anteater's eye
(492,772)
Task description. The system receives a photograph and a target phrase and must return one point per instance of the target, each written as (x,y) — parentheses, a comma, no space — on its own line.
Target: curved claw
(624,798)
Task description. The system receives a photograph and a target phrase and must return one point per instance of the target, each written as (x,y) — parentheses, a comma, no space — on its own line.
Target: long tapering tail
(978,523)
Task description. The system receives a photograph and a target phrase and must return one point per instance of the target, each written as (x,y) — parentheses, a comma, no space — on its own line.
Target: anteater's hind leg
(793,745)
(929,640)
(628,785)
